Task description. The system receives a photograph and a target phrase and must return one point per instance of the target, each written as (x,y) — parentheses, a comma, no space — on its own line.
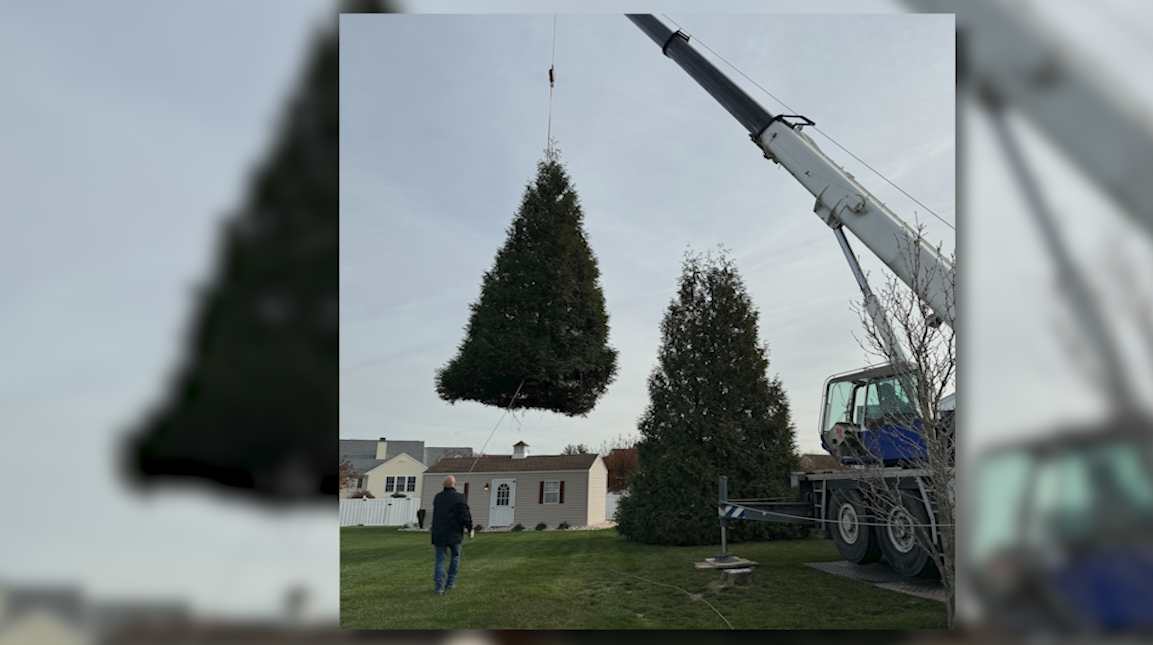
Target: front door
(500,512)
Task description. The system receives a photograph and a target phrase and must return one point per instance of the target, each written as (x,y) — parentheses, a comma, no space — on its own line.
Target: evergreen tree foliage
(712,411)
(540,323)
(253,407)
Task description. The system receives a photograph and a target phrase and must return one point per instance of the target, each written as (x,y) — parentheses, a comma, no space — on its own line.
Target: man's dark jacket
(450,518)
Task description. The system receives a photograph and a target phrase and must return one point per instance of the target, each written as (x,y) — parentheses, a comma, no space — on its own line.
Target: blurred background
(152,151)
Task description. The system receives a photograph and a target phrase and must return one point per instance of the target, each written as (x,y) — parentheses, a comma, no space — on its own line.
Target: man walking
(450,521)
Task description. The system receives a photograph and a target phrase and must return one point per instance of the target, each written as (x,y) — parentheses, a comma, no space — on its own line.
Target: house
(506,490)
(622,463)
(42,616)
(63,616)
(385,468)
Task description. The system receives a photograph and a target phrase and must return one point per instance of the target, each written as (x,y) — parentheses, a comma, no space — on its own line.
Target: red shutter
(541,493)
(466,490)
(562,492)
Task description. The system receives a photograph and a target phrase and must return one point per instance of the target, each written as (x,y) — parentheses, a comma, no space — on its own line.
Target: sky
(443,119)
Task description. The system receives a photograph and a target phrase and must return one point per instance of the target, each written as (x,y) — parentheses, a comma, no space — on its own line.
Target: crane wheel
(856,541)
(902,535)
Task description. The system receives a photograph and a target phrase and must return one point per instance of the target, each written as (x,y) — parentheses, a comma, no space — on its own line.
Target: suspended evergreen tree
(540,324)
(254,406)
(712,411)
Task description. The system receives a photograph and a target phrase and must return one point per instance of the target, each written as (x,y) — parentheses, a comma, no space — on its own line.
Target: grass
(562,580)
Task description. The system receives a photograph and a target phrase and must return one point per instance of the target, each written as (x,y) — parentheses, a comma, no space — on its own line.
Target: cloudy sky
(443,119)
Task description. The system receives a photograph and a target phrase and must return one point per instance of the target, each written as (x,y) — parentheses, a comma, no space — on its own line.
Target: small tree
(539,332)
(930,358)
(712,410)
(578,449)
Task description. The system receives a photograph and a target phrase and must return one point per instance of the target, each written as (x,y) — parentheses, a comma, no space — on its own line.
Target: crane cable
(823,133)
(551,82)
(502,416)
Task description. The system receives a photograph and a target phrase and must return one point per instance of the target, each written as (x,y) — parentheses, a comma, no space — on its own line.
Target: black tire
(904,529)
(856,542)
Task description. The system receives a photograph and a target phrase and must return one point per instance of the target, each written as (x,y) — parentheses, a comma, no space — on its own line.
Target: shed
(506,490)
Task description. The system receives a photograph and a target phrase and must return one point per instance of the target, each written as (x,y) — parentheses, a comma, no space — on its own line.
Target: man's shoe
(440,592)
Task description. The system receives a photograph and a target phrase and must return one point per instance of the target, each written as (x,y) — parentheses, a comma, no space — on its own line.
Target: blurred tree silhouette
(254,406)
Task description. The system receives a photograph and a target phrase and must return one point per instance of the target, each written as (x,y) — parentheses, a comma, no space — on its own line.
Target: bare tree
(348,474)
(911,502)
(577,449)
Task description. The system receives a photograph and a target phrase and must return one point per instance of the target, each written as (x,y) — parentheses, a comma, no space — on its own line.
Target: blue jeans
(453,567)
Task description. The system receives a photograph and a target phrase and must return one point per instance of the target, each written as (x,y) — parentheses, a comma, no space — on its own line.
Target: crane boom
(841,200)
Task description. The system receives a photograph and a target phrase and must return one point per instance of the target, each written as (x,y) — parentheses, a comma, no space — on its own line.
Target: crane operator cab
(1063,530)
(870,415)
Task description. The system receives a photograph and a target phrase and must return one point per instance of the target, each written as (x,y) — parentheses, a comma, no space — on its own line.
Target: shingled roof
(506,464)
(362,452)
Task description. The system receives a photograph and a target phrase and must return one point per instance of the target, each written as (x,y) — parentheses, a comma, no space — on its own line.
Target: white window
(552,492)
(360,482)
(502,495)
(412,484)
(389,484)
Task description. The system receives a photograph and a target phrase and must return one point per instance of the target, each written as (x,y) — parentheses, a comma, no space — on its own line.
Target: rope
(823,133)
(551,81)
(825,521)
(506,409)
(691,596)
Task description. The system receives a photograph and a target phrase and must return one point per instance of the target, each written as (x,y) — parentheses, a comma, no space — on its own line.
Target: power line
(691,596)
(823,133)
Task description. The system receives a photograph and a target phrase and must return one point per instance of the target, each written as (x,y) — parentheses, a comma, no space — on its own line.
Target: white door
(500,512)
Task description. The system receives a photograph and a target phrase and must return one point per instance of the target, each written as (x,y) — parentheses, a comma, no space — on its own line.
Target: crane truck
(865,423)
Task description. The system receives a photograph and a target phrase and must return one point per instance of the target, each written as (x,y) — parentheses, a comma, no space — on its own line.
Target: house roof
(403,454)
(433,455)
(362,448)
(362,465)
(362,452)
(506,464)
(64,604)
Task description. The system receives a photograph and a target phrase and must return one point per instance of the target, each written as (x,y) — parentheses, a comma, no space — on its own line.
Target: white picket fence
(390,511)
(611,500)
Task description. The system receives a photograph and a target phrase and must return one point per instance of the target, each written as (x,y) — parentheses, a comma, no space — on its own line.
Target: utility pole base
(735,563)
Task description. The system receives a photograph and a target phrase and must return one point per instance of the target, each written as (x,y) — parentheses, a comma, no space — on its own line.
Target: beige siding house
(376,461)
(401,474)
(519,489)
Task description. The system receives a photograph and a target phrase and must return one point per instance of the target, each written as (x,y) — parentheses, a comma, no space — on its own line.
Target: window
(411,484)
(389,484)
(552,492)
(360,482)
(883,402)
(502,495)
(838,404)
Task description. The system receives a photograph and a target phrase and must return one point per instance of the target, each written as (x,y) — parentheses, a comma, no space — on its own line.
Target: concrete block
(737,577)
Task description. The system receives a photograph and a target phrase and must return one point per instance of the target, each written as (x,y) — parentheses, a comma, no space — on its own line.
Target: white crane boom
(841,200)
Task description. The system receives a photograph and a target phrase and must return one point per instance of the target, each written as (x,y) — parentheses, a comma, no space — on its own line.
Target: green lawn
(560,580)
